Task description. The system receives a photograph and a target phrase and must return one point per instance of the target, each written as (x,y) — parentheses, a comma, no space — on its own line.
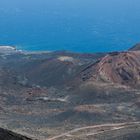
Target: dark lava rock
(8,135)
(135,47)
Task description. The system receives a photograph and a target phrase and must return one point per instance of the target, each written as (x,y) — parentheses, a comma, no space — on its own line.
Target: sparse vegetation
(44,96)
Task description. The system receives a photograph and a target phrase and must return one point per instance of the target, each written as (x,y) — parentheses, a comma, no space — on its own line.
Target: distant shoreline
(14,48)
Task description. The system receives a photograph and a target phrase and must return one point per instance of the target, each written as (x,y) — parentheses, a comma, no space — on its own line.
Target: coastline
(15,49)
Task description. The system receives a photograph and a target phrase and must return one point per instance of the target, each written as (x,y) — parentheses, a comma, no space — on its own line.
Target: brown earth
(122,68)
(43,95)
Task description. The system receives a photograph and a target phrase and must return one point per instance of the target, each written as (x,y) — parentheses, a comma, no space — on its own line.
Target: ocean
(73,25)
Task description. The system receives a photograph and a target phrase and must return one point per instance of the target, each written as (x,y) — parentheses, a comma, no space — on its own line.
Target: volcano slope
(122,68)
(8,135)
(64,95)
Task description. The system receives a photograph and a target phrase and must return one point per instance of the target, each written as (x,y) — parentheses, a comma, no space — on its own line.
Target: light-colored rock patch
(66,58)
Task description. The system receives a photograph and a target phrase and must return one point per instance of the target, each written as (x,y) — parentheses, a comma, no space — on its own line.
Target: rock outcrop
(122,68)
(135,47)
(8,135)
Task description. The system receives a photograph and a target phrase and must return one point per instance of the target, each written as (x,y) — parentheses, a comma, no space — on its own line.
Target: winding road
(111,126)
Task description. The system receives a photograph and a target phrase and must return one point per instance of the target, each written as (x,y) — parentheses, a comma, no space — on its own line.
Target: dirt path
(113,125)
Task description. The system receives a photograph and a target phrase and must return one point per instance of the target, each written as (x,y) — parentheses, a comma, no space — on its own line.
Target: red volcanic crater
(123,68)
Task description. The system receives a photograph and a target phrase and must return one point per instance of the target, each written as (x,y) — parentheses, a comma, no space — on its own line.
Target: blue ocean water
(74,25)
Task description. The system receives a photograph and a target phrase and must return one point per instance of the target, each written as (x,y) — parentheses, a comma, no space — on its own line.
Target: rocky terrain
(122,68)
(69,96)
(8,135)
(135,47)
